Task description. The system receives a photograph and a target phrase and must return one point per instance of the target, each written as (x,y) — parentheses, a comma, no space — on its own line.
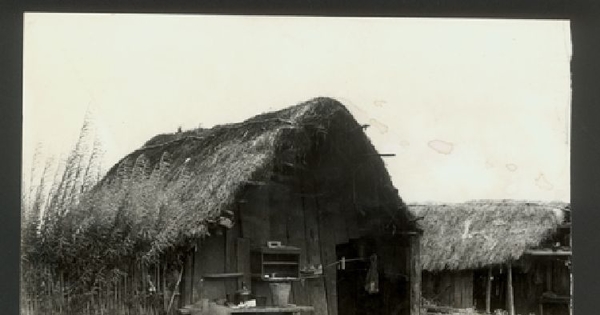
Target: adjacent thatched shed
(306,176)
(462,239)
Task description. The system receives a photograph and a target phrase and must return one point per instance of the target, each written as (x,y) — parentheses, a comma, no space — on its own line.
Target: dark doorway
(353,298)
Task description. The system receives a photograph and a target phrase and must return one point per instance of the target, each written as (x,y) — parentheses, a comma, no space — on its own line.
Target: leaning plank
(296,237)
(328,254)
(316,287)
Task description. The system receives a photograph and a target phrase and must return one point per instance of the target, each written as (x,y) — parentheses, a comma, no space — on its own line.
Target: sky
(472,108)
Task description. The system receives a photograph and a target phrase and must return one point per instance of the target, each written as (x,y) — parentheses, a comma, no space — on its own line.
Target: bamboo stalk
(156,274)
(164,286)
(175,289)
(61,301)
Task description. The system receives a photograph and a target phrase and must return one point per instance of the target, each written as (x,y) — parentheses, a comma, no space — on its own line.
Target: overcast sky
(472,108)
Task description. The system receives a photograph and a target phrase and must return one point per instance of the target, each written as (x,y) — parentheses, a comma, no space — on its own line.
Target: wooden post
(510,298)
(415,274)
(570,274)
(488,291)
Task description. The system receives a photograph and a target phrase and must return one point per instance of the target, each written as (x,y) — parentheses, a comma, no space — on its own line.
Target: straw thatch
(195,177)
(480,233)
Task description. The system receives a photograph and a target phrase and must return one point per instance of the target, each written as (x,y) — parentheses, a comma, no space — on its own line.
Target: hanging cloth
(372,283)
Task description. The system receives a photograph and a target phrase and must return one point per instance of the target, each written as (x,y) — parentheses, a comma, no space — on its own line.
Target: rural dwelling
(496,255)
(293,209)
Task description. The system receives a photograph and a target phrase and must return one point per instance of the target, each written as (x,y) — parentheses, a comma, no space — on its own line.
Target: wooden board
(254,215)
(197,271)
(296,237)
(351,221)
(468,279)
(188,280)
(315,287)
(561,276)
(210,258)
(415,275)
(317,295)
(338,222)
(223,310)
(327,221)
(457,289)
(279,202)
(243,260)
(231,236)
(446,290)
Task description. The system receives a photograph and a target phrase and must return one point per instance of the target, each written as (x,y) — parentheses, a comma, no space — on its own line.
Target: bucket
(280,293)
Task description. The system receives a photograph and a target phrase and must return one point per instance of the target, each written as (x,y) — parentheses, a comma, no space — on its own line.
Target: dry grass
(476,234)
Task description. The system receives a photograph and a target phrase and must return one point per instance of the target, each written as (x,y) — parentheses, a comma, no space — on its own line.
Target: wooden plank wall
(526,292)
(530,285)
(454,289)
(209,258)
(294,215)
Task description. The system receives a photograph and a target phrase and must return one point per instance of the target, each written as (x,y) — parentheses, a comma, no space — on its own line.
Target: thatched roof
(196,176)
(475,234)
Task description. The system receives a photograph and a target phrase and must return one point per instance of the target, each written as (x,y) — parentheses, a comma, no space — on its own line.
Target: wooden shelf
(312,277)
(223,310)
(279,250)
(283,262)
(223,275)
(289,263)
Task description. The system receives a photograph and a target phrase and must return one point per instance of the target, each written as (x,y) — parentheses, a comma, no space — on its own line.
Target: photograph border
(585,175)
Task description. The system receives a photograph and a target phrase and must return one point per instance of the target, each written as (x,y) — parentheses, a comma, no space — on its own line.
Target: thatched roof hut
(307,176)
(496,254)
(480,233)
(203,172)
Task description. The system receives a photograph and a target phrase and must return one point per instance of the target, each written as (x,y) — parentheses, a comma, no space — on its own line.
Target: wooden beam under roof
(548,252)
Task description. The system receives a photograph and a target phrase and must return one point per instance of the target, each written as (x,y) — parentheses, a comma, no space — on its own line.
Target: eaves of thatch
(472,235)
(196,176)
